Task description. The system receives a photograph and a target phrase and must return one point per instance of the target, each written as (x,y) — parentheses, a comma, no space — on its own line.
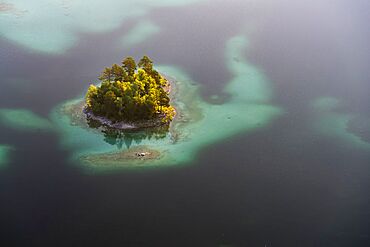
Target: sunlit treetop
(131,92)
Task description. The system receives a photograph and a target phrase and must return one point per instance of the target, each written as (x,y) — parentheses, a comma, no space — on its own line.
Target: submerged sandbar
(138,155)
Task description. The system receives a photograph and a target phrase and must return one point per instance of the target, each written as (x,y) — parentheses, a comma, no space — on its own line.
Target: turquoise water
(331,121)
(141,32)
(271,146)
(27,23)
(22,119)
(248,109)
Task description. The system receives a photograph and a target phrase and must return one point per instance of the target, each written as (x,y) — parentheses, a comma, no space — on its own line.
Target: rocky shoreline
(123,125)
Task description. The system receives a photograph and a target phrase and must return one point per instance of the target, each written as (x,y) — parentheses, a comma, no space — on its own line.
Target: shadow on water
(119,138)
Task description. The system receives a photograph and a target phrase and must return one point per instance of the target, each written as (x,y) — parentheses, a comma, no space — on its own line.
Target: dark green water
(300,178)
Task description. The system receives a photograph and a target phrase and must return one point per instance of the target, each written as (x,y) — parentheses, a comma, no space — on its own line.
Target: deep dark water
(284,185)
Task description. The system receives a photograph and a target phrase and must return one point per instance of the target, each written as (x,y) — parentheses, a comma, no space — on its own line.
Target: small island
(130,96)
(98,148)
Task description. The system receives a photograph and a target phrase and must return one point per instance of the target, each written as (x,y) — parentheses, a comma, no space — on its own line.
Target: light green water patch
(331,122)
(249,83)
(197,123)
(360,126)
(4,155)
(22,119)
(139,33)
(325,104)
(28,22)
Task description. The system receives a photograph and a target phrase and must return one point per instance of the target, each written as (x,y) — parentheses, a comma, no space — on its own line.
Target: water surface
(300,180)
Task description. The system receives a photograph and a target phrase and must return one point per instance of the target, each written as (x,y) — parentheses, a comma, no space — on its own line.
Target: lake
(298,176)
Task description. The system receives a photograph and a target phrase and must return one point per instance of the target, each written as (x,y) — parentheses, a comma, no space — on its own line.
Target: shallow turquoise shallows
(22,119)
(141,32)
(330,121)
(28,22)
(248,109)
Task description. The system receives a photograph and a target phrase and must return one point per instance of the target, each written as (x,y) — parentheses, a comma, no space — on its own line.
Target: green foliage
(128,93)
(146,63)
(106,75)
(129,65)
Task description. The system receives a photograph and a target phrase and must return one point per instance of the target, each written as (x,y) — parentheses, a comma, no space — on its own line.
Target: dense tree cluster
(131,92)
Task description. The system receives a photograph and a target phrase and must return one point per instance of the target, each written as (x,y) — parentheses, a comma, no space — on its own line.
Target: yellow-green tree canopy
(131,92)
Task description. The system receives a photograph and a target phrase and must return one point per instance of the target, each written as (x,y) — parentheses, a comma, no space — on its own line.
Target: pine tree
(129,66)
(129,94)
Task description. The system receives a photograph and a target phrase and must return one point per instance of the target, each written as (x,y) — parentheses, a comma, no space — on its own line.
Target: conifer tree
(130,94)
(129,66)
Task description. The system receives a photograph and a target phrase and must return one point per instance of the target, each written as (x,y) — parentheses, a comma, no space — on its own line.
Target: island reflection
(118,138)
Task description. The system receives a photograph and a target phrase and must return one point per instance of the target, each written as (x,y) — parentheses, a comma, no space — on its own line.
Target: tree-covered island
(131,93)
